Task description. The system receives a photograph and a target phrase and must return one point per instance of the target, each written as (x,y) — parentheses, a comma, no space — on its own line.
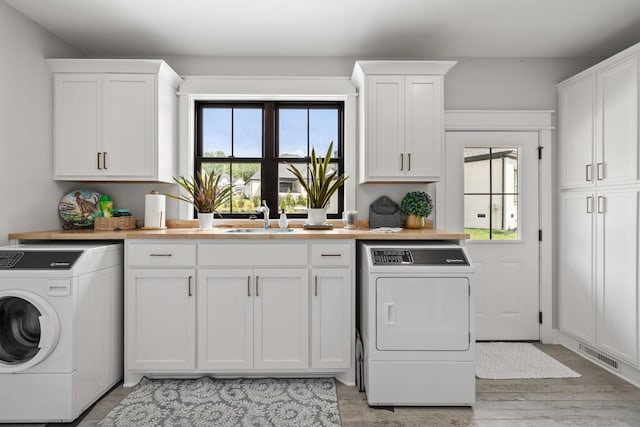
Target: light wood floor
(598,398)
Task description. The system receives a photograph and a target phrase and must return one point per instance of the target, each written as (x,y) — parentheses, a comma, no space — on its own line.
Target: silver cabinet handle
(409,161)
(589,204)
(160,254)
(401,161)
(331,255)
(104,159)
(600,171)
(99,153)
(587,173)
(316,285)
(257,289)
(600,204)
(248,286)
(190,291)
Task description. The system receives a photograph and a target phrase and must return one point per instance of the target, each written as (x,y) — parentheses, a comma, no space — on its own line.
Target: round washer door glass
(19,330)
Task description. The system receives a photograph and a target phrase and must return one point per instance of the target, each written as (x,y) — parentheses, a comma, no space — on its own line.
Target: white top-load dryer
(416,324)
(61,328)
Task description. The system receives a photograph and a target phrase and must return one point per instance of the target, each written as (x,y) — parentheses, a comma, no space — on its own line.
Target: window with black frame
(252,144)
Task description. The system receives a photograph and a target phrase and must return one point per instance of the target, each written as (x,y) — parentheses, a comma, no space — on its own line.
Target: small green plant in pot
(322,184)
(417,205)
(205,193)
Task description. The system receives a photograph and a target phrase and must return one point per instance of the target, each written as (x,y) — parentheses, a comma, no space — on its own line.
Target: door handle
(316,286)
(248,286)
(589,204)
(390,313)
(600,171)
(99,153)
(409,161)
(587,173)
(600,204)
(189,286)
(104,159)
(257,289)
(401,161)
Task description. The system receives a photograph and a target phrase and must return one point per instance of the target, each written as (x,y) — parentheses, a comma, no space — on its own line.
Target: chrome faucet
(264,209)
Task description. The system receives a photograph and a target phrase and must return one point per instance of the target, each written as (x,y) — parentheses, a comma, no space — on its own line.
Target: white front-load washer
(61,315)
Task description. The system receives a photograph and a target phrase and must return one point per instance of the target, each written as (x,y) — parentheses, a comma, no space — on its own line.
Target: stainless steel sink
(260,230)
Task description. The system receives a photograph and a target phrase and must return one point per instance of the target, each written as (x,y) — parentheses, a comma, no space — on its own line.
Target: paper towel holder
(159,214)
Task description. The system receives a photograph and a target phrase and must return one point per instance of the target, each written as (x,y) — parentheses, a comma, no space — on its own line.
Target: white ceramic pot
(205,220)
(316,216)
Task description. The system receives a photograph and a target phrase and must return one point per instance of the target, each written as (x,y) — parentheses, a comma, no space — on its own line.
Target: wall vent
(600,357)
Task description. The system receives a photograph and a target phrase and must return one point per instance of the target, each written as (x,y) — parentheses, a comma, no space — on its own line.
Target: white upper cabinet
(114,120)
(401,110)
(598,115)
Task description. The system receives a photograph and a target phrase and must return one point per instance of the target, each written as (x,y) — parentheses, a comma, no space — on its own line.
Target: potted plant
(322,184)
(204,193)
(417,205)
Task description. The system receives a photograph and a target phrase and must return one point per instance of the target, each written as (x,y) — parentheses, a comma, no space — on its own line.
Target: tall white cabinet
(114,120)
(599,207)
(401,119)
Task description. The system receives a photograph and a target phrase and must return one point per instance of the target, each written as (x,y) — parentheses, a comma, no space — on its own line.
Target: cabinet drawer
(330,254)
(161,255)
(252,255)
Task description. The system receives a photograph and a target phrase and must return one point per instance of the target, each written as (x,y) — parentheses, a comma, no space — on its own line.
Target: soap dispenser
(283,222)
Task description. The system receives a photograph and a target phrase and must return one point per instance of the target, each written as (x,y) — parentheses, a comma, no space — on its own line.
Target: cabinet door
(160,322)
(129,137)
(576,104)
(384,146)
(617,279)
(281,323)
(617,130)
(423,126)
(331,317)
(225,319)
(77,125)
(576,265)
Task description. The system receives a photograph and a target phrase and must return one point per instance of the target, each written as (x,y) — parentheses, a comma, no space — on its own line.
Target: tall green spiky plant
(203,192)
(323,182)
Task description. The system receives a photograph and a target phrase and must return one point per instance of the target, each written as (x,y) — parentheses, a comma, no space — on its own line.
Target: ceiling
(406,29)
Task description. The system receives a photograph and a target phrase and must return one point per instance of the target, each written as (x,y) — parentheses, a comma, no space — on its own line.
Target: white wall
(29,197)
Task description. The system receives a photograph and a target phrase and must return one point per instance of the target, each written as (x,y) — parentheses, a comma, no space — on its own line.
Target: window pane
(224,170)
(216,132)
(476,170)
(323,128)
(291,196)
(246,187)
(504,163)
(292,132)
(247,132)
(477,212)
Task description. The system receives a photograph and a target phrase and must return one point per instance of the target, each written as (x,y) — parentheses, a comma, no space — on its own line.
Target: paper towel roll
(154,210)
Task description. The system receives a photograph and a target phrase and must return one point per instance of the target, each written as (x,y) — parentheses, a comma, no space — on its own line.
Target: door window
(491,193)
(19,330)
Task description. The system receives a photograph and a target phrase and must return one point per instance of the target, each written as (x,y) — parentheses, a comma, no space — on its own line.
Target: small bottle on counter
(283,222)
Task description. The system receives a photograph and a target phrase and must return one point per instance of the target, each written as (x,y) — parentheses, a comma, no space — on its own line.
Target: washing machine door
(29,330)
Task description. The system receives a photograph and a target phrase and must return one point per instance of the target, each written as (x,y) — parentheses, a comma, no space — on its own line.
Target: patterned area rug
(506,360)
(229,402)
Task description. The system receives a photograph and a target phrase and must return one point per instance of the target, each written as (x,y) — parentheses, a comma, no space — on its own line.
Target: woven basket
(114,223)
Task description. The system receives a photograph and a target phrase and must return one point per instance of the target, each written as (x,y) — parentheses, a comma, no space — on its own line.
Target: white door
(422,126)
(419,313)
(281,322)
(492,193)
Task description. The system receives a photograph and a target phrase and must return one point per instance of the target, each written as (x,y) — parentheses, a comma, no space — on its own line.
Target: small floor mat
(229,402)
(507,360)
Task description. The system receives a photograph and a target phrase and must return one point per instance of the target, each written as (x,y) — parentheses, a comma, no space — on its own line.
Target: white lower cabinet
(253,319)
(160,319)
(598,269)
(239,308)
(331,313)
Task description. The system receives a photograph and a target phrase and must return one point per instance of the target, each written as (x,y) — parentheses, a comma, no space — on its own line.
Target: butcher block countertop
(219,233)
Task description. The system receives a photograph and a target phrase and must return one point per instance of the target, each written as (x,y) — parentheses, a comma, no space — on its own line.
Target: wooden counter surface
(219,233)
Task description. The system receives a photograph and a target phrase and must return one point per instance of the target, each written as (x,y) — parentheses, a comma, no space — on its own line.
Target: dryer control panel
(38,260)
